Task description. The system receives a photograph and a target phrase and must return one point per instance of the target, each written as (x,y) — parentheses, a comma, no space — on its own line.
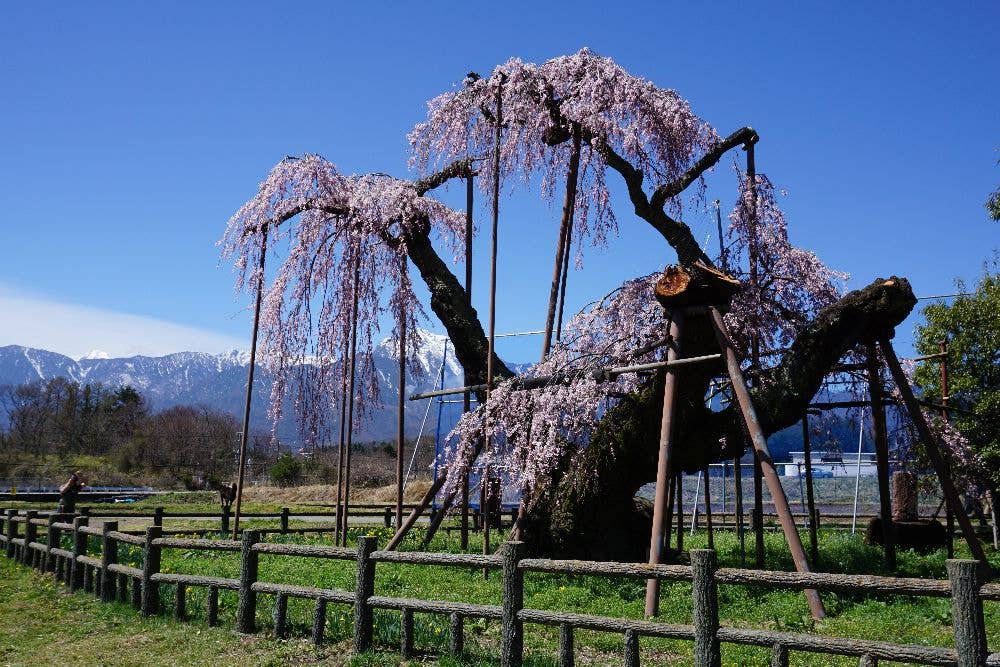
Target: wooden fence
(106,578)
(362,510)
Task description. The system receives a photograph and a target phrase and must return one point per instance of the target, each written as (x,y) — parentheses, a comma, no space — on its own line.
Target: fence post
(457,631)
(406,633)
(779,655)
(967,612)
(158,516)
(512,631)
(109,556)
(319,621)
(212,604)
(150,566)
(180,603)
(631,649)
(225,520)
(11,532)
(51,542)
(566,657)
(79,549)
(284,520)
(246,609)
(706,608)
(868,660)
(30,535)
(364,588)
(280,614)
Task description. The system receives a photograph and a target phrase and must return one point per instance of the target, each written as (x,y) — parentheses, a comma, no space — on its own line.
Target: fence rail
(101,574)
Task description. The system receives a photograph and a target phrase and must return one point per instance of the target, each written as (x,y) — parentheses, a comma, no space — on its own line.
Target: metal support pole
(810,497)
(340,445)
(350,400)
(400,413)
(245,435)
(467,396)
(857,471)
(491,347)
(876,393)
(564,230)
(664,468)
(949,514)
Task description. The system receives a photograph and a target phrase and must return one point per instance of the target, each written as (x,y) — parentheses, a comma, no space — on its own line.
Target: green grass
(897,619)
(885,618)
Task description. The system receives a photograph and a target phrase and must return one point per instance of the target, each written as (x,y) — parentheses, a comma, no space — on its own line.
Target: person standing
(68,493)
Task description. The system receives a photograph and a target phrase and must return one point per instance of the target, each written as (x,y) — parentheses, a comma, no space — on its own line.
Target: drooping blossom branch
(333,225)
(653,129)
(792,284)
(531,430)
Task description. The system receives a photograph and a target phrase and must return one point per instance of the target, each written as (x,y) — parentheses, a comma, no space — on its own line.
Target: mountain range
(219,381)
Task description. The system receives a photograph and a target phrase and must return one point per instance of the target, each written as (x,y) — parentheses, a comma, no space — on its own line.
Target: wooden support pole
(876,394)
(415,514)
(937,461)
(664,468)
(764,456)
(245,435)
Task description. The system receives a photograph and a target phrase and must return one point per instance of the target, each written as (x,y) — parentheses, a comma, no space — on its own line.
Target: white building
(845,465)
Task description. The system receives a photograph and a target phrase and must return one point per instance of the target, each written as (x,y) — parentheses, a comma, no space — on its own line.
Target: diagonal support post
(933,453)
(774,487)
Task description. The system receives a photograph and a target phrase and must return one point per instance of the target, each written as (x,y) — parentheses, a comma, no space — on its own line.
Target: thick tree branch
(450,303)
(457,169)
(593,514)
(677,234)
(743,136)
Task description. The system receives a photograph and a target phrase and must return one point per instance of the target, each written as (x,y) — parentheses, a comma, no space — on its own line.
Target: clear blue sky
(130,132)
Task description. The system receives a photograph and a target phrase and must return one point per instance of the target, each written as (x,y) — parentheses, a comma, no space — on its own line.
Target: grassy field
(76,622)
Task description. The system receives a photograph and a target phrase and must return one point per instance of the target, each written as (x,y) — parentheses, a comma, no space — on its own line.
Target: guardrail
(109,580)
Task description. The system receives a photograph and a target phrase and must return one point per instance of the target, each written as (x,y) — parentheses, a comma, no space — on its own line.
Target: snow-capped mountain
(219,380)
